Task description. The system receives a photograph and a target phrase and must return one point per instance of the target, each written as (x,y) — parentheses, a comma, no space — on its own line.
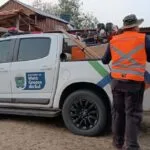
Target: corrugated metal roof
(41,12)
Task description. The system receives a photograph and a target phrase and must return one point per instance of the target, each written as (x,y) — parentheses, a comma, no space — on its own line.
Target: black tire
(84,113)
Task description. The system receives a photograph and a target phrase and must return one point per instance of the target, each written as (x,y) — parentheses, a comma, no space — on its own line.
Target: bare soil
(30,133)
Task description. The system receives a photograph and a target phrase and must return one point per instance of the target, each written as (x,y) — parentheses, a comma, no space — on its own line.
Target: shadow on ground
(57,121)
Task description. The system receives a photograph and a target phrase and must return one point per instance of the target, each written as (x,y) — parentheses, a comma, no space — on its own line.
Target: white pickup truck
(35,81)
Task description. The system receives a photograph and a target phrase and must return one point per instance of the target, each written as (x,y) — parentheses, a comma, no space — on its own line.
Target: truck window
(33,48)
(71,52)
(5,48)
(74,52)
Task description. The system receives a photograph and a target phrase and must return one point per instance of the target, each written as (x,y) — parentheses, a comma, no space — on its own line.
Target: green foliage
(89,21)
(46,7)
(70,9)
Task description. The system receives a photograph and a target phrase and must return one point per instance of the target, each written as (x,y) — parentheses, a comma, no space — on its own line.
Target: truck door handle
(3,70)
(45,68)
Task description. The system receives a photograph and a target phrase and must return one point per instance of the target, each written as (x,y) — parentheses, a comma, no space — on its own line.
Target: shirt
(107,56)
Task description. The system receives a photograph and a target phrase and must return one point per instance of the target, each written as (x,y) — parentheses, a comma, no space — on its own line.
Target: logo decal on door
(32,81)
(20,82)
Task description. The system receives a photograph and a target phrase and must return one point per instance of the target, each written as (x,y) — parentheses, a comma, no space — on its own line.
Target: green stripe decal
(99,68)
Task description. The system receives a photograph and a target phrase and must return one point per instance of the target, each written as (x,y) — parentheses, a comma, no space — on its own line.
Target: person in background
(129,52)
(115,30)
(109,28)
(90,39)
(78,36)
(85,34)
(101,33)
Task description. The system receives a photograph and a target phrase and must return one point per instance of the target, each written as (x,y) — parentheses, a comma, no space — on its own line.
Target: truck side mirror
(65,57)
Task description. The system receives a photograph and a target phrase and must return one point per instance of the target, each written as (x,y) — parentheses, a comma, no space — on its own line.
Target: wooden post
(18,23)
(29,27)
(36,19)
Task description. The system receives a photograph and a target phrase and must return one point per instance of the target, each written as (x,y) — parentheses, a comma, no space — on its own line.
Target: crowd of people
(101,35)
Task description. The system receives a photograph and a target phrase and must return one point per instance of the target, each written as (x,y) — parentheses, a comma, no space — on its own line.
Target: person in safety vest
(129,53)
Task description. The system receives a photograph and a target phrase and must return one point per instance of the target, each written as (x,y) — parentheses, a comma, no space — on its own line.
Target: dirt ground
(30,133)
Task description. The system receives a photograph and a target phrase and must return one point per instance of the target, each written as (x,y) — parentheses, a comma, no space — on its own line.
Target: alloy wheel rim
(84,114)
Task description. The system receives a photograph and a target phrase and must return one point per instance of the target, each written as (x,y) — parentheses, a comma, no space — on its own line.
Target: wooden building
(17,19)
(44,21)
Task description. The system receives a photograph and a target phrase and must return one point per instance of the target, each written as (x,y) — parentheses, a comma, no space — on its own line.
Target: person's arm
(107,56)
(147,46)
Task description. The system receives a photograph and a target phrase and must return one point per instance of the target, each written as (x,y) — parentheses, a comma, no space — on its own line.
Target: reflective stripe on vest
(128,56)
(127,72)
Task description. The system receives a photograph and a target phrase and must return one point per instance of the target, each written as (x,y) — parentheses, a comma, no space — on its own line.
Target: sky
(112,10)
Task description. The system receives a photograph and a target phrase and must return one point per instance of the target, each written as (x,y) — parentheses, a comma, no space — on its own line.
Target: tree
(51,9)
(46,7)
(69,10)
(88,21)
(37,4)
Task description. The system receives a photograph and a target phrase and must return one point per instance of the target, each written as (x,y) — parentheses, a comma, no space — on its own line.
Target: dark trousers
(127,112)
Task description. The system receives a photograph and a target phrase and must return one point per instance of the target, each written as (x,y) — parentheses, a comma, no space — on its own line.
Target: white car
(35,81)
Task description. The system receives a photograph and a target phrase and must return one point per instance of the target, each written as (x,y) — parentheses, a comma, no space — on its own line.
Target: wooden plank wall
(42,24)
(52,24)
(13,5)
(46,24)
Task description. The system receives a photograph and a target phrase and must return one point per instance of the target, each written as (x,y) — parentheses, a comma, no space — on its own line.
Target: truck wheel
(84,113)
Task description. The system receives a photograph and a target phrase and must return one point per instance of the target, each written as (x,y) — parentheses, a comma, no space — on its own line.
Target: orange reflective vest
(128,56)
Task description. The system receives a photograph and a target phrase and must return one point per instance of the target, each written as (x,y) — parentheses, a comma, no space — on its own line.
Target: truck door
(32,73)
(6,53)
